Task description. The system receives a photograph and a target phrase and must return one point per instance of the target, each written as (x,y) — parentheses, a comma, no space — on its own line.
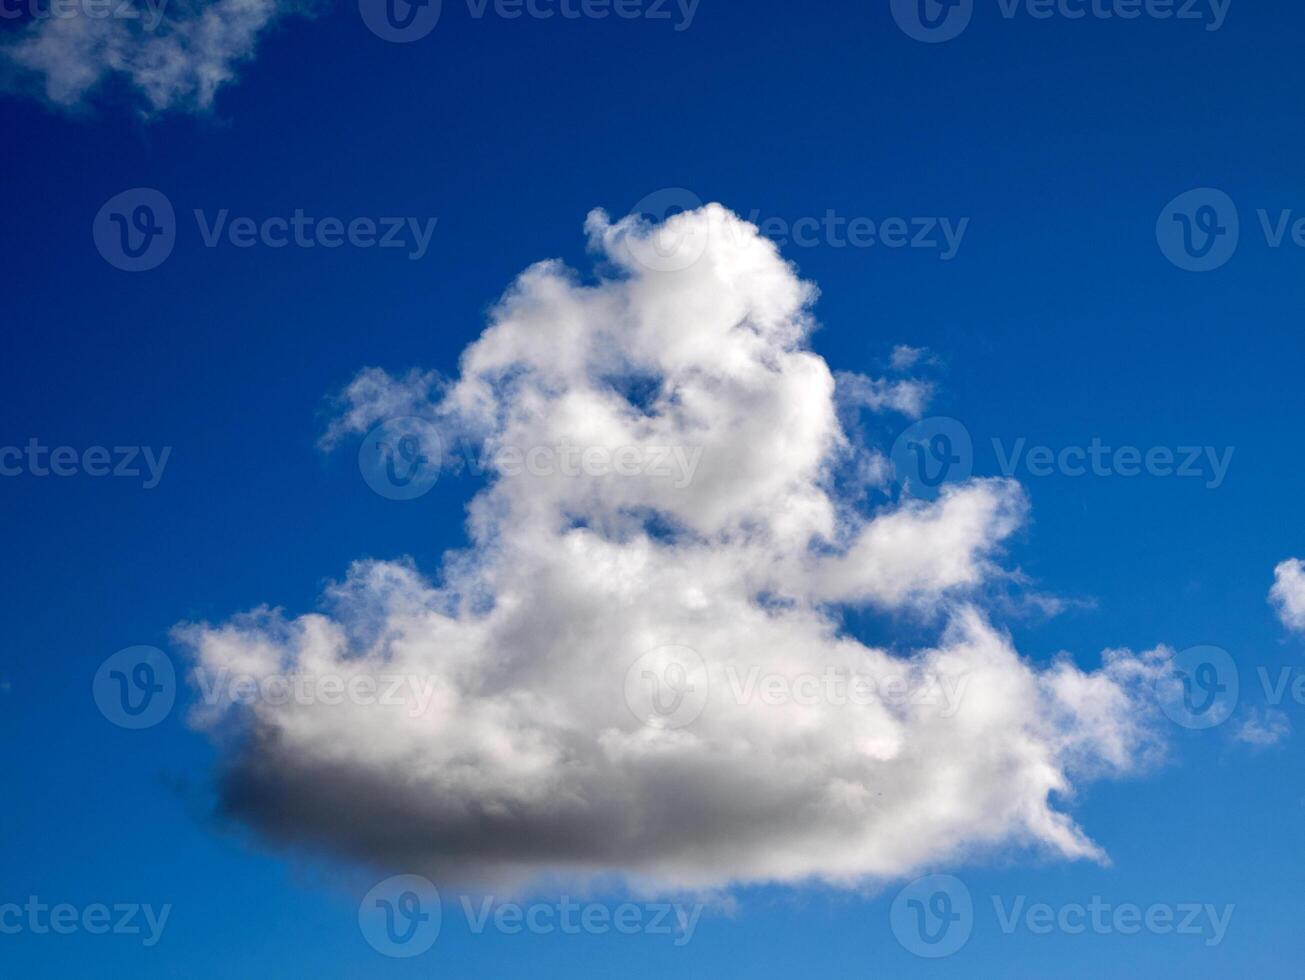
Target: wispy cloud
(1264,727)
(174,55)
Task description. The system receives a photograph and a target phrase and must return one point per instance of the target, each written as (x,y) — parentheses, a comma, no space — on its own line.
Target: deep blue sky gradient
(1059,320)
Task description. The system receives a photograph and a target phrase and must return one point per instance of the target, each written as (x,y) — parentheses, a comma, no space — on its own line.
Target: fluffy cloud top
(174,54)
(1288,593)
(521,749)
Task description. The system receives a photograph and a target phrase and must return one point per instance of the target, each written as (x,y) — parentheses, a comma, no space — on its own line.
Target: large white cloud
(518,752)
(1288,593)
(174,53)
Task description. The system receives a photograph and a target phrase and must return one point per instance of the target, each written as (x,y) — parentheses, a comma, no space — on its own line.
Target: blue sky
(1057,320)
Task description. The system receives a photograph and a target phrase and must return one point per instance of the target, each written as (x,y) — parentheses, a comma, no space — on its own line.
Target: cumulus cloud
(1288,593)
(174,53)
(522,746)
